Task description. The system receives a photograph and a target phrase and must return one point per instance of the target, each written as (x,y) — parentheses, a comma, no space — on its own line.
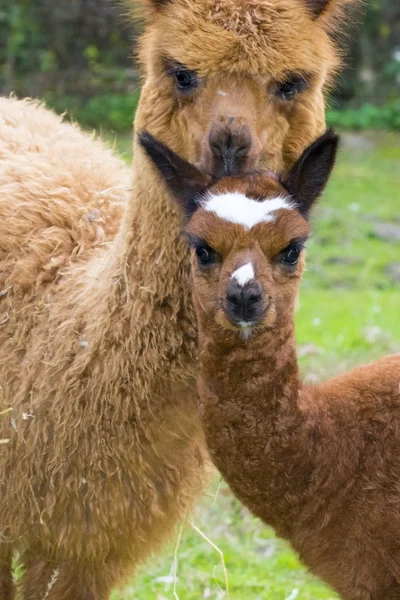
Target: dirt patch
(393,271)
(388,231)
(356,141)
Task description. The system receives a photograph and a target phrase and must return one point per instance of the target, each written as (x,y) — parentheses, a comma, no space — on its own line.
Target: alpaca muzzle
(244,303)
(230,149)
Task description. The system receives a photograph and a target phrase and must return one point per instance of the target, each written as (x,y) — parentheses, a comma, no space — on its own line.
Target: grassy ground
(348,314)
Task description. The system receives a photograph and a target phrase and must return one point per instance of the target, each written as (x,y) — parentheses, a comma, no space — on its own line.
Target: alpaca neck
(149,245)
(137,289)
(250,408)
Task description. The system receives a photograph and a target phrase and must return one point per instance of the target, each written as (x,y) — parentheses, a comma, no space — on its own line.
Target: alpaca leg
(6,579)
(44,580)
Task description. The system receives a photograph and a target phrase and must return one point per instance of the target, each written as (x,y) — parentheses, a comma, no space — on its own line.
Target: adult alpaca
(103,450)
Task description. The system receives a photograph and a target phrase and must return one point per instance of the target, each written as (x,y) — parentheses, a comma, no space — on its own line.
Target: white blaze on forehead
(237,208)
(244,274)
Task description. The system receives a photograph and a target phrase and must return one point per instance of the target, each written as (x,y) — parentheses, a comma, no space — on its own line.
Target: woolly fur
(102,451)
(320,464)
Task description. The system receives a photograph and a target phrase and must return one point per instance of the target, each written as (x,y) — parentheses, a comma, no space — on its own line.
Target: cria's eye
(204,255)
(292,86)
(291,256)
(185,80)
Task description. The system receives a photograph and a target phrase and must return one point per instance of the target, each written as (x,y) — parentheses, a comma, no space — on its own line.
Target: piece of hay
(175,562)
(221,554)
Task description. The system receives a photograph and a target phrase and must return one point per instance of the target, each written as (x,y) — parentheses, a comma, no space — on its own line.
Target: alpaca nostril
(216,147)
(242,151)
(233,298)
(254,298)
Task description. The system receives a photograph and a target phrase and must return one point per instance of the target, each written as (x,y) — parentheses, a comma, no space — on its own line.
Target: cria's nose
(243,303)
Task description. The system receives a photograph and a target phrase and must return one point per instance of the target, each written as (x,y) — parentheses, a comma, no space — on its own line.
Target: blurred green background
(78,56)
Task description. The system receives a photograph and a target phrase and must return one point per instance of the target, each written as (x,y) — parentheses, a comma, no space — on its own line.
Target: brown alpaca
(320,464)
(103,450)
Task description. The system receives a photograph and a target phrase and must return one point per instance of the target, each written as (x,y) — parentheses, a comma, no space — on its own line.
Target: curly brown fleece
(103,452)
(320,464)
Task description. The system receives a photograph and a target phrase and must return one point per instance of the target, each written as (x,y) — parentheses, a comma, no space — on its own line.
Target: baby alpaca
(320,464)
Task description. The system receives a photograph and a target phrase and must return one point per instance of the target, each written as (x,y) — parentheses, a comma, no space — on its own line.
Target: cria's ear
(317,6)
(144,9)
(308,177)
(186,182)
(157,4)
(329,9)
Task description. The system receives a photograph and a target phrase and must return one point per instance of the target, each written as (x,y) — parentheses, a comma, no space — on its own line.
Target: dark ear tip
(317,7)
(331,135)
(145,139)
(329,139)
(160,3)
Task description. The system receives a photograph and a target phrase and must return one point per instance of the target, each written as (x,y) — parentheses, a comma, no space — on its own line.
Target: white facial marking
(244,274)
(222,93)
(237,208)
(246,330)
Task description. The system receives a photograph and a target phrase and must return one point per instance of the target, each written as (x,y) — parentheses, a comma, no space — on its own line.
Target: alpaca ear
(317,6)
(308,177)
(144,9)
(329,9)
(186,182)
(156,4)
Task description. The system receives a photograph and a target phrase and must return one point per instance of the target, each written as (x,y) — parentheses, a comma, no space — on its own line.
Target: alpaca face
(247,234)
(234,85)
(247,241)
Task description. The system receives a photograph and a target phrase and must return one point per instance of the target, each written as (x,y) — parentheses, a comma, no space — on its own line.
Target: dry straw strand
(7,410)
(50,585)
(217,492)
(175,562)
(218,550)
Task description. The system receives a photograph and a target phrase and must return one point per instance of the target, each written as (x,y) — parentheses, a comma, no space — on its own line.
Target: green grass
(348,314)
(259,566)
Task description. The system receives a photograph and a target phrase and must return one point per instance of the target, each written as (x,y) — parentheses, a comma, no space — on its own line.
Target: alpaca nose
(244,303)
(230,147)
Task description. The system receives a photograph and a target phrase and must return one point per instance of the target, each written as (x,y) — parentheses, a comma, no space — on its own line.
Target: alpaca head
(247,234)
(233,85)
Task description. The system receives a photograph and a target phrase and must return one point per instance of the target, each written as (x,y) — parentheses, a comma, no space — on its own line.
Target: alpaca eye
(203,255)
(291,87)
(291,256)
(185,80)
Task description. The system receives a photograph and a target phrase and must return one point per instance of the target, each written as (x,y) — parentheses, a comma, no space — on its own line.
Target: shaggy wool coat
(101,445)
